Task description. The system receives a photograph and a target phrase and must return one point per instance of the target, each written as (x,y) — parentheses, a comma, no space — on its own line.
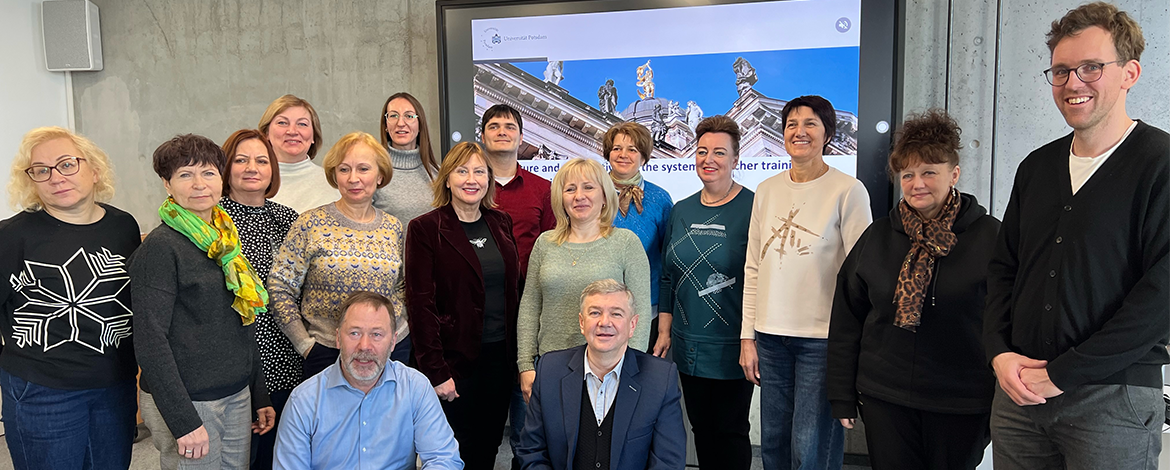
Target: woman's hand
(526,379)
(310,350)
(446,390)
(195,444)
(662,346)
(847,423)
(749,361)
(265,420)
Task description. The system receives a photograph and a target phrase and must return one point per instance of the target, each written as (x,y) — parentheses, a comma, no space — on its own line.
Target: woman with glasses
(67,370)
(405,136)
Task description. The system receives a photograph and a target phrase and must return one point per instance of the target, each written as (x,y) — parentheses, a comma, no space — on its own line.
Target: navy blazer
(445,292)
(647,427)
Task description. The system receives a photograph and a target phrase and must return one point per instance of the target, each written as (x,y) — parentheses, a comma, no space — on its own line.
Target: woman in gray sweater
(405,136)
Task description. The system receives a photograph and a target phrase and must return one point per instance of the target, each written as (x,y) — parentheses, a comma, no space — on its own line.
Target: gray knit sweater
(189,342)
(409,193)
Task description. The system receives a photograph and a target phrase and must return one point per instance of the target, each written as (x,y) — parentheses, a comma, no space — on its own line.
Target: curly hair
(1126,33)
(930,137)
(22,191)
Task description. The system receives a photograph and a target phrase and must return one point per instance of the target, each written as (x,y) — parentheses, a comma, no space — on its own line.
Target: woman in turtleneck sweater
(292,127)
(405,136)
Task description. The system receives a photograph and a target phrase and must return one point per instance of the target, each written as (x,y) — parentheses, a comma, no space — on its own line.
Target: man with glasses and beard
(365,411)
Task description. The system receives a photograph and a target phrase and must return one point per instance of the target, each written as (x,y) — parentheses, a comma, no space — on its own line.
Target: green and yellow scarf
(221,242)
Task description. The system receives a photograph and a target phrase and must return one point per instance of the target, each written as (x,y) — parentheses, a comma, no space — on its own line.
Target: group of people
(386,305)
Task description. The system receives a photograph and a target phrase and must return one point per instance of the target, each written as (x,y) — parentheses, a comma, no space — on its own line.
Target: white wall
(30,96)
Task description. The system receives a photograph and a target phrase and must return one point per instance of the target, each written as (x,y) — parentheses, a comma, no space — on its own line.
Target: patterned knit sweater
(327,256)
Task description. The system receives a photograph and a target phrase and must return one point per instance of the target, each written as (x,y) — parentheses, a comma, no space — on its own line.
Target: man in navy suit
(604,405)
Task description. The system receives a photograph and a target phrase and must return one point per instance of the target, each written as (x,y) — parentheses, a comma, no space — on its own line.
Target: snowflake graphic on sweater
(76,302)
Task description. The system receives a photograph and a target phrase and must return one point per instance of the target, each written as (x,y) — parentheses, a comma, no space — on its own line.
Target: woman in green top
(584,247)
(701,299)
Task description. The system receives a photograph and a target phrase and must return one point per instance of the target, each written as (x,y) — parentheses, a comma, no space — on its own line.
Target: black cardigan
(1082,280)
(940,368)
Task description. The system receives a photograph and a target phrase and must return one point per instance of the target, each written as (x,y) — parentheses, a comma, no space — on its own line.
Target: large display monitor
(576,68)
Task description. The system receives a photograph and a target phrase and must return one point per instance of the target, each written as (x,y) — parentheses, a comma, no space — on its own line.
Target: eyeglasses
(394,116)
(1087,73)
(68,166)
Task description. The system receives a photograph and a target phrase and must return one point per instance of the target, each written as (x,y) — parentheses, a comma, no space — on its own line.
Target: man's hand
(1008,367)
(1038,382)
(446,390)
(265,420)
(195,444)
(526,379)
(749,361)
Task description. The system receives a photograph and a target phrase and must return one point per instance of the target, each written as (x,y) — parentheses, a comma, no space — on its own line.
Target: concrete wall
(212,67)
(31,96)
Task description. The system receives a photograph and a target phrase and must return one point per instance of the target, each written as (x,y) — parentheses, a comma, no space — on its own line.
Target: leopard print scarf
(929,239)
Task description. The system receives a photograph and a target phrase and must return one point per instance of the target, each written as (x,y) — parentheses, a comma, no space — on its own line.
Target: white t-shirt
(303,186)
(798,238)
(1080,169)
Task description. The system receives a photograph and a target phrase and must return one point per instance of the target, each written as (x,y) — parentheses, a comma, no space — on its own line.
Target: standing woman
(463,292)
(804,221)
(702,299)
(643,207)
(336,249)
(68,385)
(905,338)
(196,300)
(251,178)
(406,138)
(584,247)
(292,128)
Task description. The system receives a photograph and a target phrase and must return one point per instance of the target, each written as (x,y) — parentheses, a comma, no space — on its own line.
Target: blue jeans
(797,429)
(50,428)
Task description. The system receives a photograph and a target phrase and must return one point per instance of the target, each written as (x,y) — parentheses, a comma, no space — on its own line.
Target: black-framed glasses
(394,116)
(68,166)
(1087,73)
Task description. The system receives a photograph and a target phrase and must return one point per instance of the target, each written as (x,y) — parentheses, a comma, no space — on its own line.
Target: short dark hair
(500,110)
(720,123)
(184,150)
(229,150)
(819,106)
(1125,32)
(930,137)
(365,297)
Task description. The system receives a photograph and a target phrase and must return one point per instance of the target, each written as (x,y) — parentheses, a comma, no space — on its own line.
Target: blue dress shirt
(329,424)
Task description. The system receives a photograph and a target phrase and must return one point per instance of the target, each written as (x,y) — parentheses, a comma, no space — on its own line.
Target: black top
(262,230)
(190,343)
(1082,280)
(594,441)
(65,299)
(941,367)
(492,265)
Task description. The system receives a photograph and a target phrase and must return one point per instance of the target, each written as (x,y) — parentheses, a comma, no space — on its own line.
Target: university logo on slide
(491,37)
(66,303)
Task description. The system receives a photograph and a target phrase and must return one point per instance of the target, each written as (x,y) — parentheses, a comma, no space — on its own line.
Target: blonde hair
(22,191)
(290,101)
(336,155)
(590,170)
(459,156)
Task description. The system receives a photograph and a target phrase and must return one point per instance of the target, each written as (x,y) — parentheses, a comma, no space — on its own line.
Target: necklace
(575,255)
(728,193)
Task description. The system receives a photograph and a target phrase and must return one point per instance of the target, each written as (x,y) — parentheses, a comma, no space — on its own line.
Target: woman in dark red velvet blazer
(462,296)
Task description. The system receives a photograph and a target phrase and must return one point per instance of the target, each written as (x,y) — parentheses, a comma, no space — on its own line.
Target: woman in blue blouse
(643,207)
(702,299)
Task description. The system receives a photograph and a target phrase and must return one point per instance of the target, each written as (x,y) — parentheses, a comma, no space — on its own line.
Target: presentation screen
(575,69)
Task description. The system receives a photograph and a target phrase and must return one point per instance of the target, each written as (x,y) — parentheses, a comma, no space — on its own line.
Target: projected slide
(575,75)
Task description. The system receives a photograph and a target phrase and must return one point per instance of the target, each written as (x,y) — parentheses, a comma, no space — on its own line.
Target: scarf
(629,191)
(929,240)
(221,242)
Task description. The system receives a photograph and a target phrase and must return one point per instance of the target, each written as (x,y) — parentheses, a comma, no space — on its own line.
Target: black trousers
(479,414)
(319,358)
(262,445)
(905,438)
(718,411)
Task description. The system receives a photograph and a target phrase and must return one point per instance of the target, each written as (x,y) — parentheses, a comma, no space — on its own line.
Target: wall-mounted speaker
(73,40)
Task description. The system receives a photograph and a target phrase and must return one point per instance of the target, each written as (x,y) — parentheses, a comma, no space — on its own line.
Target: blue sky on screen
(709,80)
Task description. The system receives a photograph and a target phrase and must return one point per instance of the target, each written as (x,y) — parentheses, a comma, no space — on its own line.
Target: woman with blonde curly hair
(67,371)
(584,247)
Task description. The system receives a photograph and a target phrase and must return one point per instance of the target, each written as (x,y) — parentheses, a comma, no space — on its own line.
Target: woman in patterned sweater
(251,178)
(339,248)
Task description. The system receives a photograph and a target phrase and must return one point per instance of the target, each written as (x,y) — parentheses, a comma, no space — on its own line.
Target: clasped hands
(1025,380)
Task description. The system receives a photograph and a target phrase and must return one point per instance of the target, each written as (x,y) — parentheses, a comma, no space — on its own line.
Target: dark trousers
(903,438)
(262,445)
(718,411)
(477,416)
(319,358)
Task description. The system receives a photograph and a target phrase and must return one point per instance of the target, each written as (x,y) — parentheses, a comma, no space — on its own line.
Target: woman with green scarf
(195,301)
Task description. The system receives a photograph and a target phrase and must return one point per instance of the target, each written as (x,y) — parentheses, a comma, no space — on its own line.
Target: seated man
(365,411)
(604,405)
